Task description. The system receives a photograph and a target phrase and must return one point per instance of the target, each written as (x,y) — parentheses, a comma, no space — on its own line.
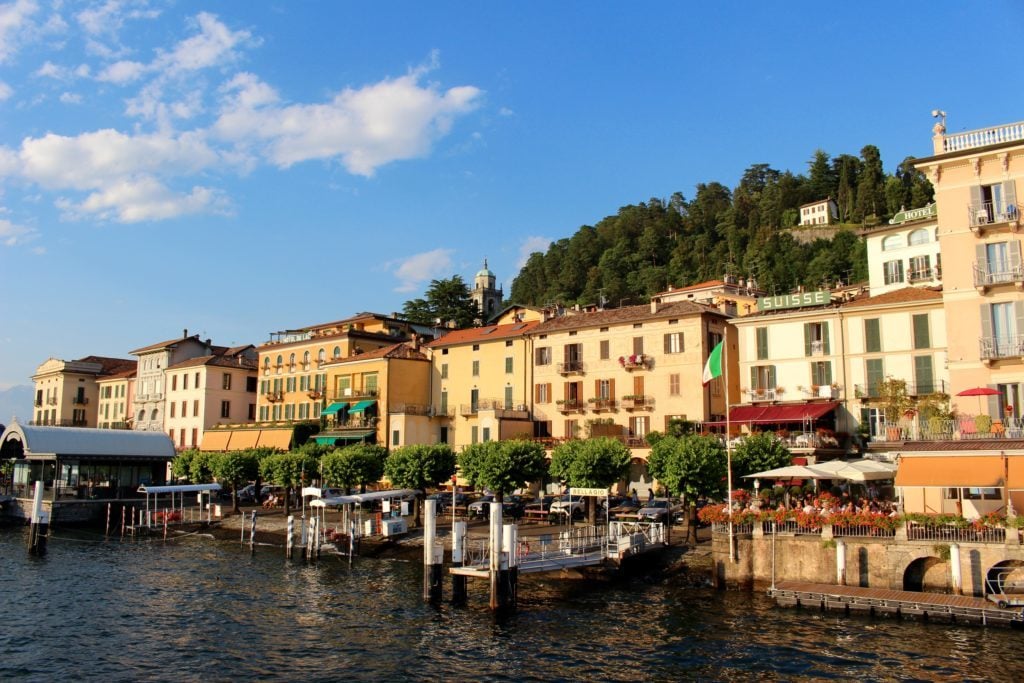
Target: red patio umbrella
(979,392)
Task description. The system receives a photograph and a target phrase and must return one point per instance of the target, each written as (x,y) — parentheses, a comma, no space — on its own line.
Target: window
(474,400)
(476,368)
(508,364)
(872,336)
(184,408)
(605,349)
(919,236)
(304,383)
(321,355)
(444,403)
(508,342)
(603,389)
(266,364)
(225,408)
(336,353)
(276,414)
(263,413)
(474,434)
(250,384)
(638,345)
(174,382)
(542,393)
(184,382)
(542,356)
(508,398)
(444,371)
(762,378)
(892,242)
(673,384)
(922,339)
(195,408)
(816,339)
(476,347)
(875,374)
(291,362)
(573,356)
(172,409)
(195,436)
(892,272)
(762,342)
(1001,329)
(395,437)
(821,373)
(252,411)
(639,426)
(993,203)
(226,382)
(674,342)
(305,360)
(924,376)
(280,361)
(290,384)
(920,268)
(572,429)
(444,352)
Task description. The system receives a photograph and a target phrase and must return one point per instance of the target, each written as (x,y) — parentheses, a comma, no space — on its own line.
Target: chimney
(415,342)
(654,306)
(184,333)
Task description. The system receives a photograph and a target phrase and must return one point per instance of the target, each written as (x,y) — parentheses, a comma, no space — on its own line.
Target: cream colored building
(736,296)
(150,383)
(976,175)
(905,251)
(211,390)
(66,391)
(114,410)
(821,212)
(481,383)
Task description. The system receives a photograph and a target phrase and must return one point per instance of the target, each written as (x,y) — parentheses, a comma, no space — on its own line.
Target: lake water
(199,609)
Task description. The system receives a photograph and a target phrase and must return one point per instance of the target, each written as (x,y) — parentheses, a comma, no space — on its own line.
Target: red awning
(756,414)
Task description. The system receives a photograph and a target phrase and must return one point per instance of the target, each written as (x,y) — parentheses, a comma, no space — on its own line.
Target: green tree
(757,453)
(690,466)
(356,465)
(871,185)
(503,466)
(291,470)
(234,468)
(200,467)
(445,300)
(181,466)
(418,466)
(590,463)
(821,182)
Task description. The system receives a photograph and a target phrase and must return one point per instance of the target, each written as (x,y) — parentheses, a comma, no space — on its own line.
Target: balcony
(817,348)
(80,401)
(971,139)
(873,391)
(961,428)
(571,367)
(827,391)
(765,394)
(996,348)
(600,405)
(38,403)
(569,405)
(411,409)
(992,274)
(52,401)
(638,402)
(274,396)
(315,394)
(469,410)
(983,216)
(637,361)
(923,275)
(354,394)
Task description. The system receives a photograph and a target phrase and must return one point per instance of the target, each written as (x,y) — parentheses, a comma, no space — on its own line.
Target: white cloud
(365,128)
(14,18)
(122,72)
(419,268)
(9,162)
(5,91)
(145,199)
(530,245)
(70,98)
(12,235)
(505,111)
(213,46)
(51,70)
(108,18)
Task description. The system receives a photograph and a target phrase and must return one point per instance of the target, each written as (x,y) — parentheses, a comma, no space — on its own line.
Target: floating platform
(905,604)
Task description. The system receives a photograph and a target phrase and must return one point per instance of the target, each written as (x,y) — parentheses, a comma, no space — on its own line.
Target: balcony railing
(315,394)
(638,402)
(874,390)
(637,361)
(353,393)
(958,142)
(58,423)
(923,275)
(818,348)
(992,274)
(772,394)
(992,348)
(983,214)
(469,410)
(411,409)
(571,367)
(52,401)
(962,428)
(599,405)
(569,405)
(829,391)
(80,400)
(275,396)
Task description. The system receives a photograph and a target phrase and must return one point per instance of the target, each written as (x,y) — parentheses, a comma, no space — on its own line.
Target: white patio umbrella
(790,472)
(857,470)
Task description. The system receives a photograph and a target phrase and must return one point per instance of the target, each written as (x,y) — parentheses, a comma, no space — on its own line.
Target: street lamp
(757,491)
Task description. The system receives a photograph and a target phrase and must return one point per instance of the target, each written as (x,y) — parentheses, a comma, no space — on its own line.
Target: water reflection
(195,608)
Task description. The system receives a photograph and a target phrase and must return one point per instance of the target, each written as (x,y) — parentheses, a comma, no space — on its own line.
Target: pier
(906,604)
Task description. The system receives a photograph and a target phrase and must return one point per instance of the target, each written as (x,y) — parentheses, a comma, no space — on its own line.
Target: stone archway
(1005,576)
(927,574)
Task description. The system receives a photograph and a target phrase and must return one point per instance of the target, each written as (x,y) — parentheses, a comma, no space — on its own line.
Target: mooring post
(458,560)
(252,532)
(494,564)
(290,541)
(510,567)
(954,566)
(124,519)
(106,532)
(432,559)
(40,523)
(302,531)
(841,562)
(165,524)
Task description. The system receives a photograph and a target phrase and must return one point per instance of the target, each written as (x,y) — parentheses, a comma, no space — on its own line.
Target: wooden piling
(290,542)
(432,558)
(459,583)
(39,525)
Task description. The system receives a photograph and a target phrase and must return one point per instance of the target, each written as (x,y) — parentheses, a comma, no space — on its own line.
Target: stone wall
(870,563)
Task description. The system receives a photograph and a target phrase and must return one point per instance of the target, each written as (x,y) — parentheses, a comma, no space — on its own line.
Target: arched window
(919,236)
(153,415)
(337,352)
(280,361)
(321,355)
(291,362)
(305,359)
(266,363)
(892,242)
(142,415)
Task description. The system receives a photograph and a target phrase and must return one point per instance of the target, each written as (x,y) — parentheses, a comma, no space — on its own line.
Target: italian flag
(713,368)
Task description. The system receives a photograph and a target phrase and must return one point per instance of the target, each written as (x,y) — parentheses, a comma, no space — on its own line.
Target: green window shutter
(1018,312)
(924,377)
(762,343)
(824,338)
(474,431)
(875,374)
(444,402)
(508,364)
(753,378)
(508,398)
(771,377)
(921,337)
(826,375)
(872,336)
(986,321)
(815,380)
(807,339)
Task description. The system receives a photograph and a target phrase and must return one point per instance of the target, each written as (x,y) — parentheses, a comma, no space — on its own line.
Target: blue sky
(244,167)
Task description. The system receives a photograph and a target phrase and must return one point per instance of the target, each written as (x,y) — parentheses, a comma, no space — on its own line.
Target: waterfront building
(481,383)
(114,410)
(66,391)
(215,389)
(905,251)
(628,371)
(150,384)
(736,296)
(486,295)
(821,212)
(380,396)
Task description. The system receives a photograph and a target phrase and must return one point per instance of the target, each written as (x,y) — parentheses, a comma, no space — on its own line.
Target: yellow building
(736,296)
(291,364)
(203,392)
(114,410)
(66,391)
(481,382)
(381,396)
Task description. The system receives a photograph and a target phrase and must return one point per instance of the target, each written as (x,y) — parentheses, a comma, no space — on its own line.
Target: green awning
(333,408)
(334,439)
(361,406)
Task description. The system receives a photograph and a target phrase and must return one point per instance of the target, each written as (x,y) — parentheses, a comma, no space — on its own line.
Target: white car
(566,504)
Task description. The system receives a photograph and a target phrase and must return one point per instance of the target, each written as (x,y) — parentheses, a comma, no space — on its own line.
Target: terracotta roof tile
(898,296)
(401,350)
(475,335)
(165,344)
(216,361)
(111,365)
(626,314)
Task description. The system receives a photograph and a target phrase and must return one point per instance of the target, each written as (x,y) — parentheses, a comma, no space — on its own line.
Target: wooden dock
(906,604)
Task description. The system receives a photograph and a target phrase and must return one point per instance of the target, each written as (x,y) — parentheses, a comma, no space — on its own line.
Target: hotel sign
(774,303)
(930,211)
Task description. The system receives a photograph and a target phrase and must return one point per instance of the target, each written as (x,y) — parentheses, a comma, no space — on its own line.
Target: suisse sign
(773,303)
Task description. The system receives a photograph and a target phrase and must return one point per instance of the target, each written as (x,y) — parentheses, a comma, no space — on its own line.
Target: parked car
(565,505)
(444,500)
(657,510)
(480,507)
(626,508)
(247,494)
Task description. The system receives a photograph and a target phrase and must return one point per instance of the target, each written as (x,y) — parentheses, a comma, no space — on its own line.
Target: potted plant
(779,391)
(895,403)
